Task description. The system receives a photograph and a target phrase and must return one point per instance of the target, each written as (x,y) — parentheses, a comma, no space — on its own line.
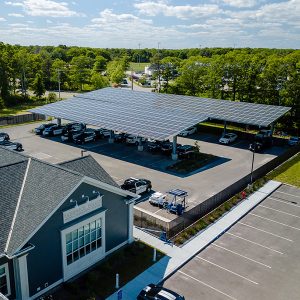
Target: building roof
(32,189)
(155,115)
(88,166)
(2,297)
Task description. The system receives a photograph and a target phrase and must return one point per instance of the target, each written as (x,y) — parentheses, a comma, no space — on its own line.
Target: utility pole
(139,54)
(58,78)
(158,66)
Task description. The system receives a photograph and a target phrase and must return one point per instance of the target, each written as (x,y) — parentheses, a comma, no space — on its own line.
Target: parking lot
(123,161)
(258,258)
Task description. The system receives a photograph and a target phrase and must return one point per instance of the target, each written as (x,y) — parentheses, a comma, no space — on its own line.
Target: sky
(167,24)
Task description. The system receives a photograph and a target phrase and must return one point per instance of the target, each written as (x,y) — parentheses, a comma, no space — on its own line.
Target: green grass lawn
(289,172)
(16,110)
(99,282)
(138,67)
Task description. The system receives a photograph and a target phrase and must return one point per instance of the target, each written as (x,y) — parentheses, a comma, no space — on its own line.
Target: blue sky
(171,23)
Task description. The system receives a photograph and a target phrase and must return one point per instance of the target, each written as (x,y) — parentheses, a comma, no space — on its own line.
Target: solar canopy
(153,115)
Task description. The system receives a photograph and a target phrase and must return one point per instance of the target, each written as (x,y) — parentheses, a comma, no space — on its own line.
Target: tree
(38,86)
(80,70)
(98,81)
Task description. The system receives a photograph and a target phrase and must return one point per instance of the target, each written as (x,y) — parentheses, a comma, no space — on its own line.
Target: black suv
(155,292)
(4,136)
(39,130)
(84,137)
(167,147)
(154,146)
(75,126)
(137,186)
(186,151)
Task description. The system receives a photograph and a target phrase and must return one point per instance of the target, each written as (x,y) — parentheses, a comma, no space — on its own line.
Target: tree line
(269,76)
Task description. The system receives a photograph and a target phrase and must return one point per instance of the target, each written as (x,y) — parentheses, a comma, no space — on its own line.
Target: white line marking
(214,244)
(236,274)
(158,210)
(197,280)
(253,242)
(274,221)
(283,212)
(285,202)
(265,231)
(288,194)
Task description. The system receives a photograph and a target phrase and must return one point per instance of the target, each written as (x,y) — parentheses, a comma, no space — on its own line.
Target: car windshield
(226,136)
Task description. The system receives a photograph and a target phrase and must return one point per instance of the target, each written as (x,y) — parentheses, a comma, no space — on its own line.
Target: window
(4,280)
(82,241)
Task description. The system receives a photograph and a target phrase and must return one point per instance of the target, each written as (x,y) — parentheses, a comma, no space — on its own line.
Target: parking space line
(238,254)
(158,210)
(279,236)
(285,202)
(283,212)
(211,287)
(288,194)
(252,214)
(239,237)
(236,274)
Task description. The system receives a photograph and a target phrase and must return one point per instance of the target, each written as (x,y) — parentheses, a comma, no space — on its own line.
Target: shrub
(52,97)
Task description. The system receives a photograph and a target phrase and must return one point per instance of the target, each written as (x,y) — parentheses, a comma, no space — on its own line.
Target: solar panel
(153,115)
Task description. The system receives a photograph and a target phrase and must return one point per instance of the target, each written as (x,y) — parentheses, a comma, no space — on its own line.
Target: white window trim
(85,262)
(6,272)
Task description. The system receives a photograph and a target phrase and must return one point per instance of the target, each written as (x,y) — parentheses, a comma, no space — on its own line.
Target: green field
(138,67)
(289,172)
(16,110)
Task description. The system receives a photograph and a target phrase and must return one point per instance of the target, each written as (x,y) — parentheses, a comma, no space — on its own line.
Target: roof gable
(45,187)
(11,179)
(88,166)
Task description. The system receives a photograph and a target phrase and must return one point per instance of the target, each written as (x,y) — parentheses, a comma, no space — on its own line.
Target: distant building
(56,221)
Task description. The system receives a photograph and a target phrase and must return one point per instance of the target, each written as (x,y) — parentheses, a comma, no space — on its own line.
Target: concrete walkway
(178,256)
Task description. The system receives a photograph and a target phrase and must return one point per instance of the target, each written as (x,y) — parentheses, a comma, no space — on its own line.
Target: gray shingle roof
(88,166)
(9,196)
(2,297)
(45,186)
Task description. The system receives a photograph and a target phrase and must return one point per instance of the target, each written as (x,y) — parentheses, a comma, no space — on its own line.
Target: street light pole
(58,78)
(251,175)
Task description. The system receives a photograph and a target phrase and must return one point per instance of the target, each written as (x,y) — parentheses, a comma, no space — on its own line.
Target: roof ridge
(14,163)
(74,159)
(17,206)
(43,162)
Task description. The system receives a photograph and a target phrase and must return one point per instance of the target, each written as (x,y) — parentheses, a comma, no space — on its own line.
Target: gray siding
(45,260)
(4,260)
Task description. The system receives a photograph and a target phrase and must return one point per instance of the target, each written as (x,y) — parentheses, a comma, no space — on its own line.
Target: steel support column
(174,148)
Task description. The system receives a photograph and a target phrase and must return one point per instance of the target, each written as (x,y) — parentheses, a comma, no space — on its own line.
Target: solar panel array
(153,115)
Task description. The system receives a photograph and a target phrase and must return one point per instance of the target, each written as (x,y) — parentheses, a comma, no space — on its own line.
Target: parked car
(54,130)
(84,137)
(4,136)
(12,145)
(262,140)
(158,199)
(167,147)
(74,126)
(155,292)
(186,151)
(69,136)
(293,141)
(137,186)
(133,139)
(104,132)
(228,138)
(39,130)
(188,131)
(120,137)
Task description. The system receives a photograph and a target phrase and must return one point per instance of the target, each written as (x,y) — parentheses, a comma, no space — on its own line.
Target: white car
(104,132)
(133,139)
(228,138)
(158,199)
(189,131)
